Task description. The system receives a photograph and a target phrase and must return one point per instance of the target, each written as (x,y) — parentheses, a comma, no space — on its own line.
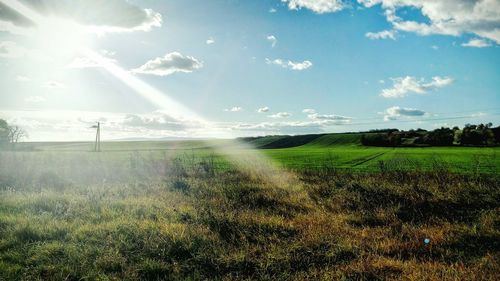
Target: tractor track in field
(368,159)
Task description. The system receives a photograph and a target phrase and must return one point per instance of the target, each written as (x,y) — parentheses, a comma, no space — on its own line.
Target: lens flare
(242,155)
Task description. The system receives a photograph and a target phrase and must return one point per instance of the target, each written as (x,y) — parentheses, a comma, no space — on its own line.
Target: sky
(232,68)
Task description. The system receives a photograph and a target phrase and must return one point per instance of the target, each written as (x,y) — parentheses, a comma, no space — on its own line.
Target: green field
(185,210)
(342,151)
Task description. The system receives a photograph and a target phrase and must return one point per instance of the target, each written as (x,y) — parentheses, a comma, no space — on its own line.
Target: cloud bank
(98,16)
(444,17)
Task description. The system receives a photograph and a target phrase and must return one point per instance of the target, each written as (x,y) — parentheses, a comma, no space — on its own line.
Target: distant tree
(440,137)
(10,133)
(4,132)
(457,136)
(477,135)
(375,139)
(16,134)
(496,134)
(395,138)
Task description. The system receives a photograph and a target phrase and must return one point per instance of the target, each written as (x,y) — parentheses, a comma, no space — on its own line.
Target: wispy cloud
(272,39)
(290,64)
(210,41)
(332,117)
(403,86)
(384,34)
(10,49)
(234,109)
(263,109)
(477,43)
(34,99)
(85,62)
(280,115)
(53,85)
(21,78)
(317,6)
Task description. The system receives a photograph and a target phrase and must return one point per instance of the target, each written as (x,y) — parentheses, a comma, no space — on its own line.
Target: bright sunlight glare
(55,34)
(60,37)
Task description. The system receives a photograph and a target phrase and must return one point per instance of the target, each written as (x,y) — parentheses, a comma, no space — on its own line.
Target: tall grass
(154,216)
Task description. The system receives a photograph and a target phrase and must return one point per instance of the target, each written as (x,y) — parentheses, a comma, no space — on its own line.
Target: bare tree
(16,134)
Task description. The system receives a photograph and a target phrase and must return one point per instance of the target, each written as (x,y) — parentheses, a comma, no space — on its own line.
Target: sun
(60,38)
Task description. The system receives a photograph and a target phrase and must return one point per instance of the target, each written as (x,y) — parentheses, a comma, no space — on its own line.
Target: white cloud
(384,34)
(155,121)
(393,113)
(290,127)
(97,16)
(34,99)
(272,10)
(317,6)
(477,43)
(85,62)
(53,85)
(272,39)
(309,111)
(234,109)
(263,109)
(299,65)
(326,119)
(210,41)
(331,117)
(10,49)
(169,64)
(403,86)
(445,17)
(281,115)
(21,78)
(479,114)
(290,64)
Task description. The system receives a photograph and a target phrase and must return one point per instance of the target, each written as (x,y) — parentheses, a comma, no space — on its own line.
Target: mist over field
(249,140)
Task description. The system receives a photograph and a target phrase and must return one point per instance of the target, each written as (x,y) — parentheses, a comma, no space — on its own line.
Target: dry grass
(154,218)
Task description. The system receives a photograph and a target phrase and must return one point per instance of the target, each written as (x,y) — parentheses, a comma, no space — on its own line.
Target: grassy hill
(336,139)
(321,140)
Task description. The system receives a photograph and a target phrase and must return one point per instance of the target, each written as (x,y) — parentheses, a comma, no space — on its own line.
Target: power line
(420,120)
(446,113)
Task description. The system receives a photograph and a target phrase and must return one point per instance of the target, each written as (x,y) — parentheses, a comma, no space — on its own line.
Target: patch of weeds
(181,186)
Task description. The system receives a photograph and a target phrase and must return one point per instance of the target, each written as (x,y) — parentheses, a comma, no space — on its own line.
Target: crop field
(342,151)
(181,210)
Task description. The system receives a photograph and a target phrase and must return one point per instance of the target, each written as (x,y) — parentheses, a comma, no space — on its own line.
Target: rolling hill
(320,140)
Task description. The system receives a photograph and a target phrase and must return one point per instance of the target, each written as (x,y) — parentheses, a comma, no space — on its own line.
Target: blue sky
(355,65)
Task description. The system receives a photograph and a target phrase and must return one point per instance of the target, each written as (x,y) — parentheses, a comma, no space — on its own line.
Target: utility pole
(97,145)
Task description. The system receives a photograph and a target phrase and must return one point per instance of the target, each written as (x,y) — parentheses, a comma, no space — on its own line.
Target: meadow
(181,211)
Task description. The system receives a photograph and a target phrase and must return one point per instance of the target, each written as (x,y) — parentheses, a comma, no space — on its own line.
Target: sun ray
(241,154)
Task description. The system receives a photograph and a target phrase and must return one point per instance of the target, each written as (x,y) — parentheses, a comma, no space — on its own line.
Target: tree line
(470,135)
(10,134)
